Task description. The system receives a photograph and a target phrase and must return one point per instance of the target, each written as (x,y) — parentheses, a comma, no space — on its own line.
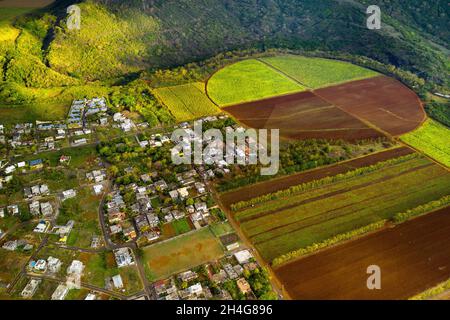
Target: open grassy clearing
(162,260)
(83,209)
(98,267)
(432,139)
(286,224)
(316,72)
(187,102)
(247,81)
(8,32)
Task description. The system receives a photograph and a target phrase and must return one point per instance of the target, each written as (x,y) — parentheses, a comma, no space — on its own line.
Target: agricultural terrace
(321,209)
(317,72)
(193,249)
(187,102)
(248,80)
(432,139)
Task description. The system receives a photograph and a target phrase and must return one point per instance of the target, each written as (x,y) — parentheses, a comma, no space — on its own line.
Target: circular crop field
(309,98)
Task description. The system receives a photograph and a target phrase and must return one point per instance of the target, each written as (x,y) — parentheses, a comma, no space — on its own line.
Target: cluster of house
(74,274)
(156,140)
(123,122)
(12,210)
(189,285)
(41,208)
(8,170)
(22,135)
(63,231)
(80,109)
(147,220)
(117,218)
(97,177)
(50,266)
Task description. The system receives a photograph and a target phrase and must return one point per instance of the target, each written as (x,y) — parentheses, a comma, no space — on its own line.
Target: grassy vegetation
(106,46)
(83,209)
(181,226)
(431,138)
(316,72)
(98,267)
(430,293)
(300,220)
(221,229)
(248,80)
(187,102)
(162,260)
(327,243)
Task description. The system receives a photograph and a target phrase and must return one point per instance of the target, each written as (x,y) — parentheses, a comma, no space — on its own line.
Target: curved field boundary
(282,183)
(246,81)
(383,103)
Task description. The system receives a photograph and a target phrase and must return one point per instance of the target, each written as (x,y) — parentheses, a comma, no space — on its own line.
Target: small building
(53,265)
(91,297)
(11,245)
(243,256)
(124,257)
(117,281)
(76,267)
(98,189)
(13,210)
(60,292)
(68,194)
(36,164)
(244,286)
(30,289)
(183,192)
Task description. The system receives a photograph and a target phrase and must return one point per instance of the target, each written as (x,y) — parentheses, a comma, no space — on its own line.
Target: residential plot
(302,116)
(285,224)
(187,102)
(317,72)
(432,139)
(248,80)
(413,257)
(181,253)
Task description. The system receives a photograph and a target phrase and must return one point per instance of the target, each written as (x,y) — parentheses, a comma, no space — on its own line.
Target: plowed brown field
(381,101)
(302,116)
(413,257)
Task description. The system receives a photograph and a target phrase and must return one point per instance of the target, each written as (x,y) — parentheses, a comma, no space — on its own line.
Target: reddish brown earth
(259,189)
(381,101)
(413,257)
(302,116)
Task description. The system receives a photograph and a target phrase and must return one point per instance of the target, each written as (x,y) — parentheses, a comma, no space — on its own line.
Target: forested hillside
(122,37)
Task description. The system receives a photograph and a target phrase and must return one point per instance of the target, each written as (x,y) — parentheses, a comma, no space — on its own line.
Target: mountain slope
(123,37)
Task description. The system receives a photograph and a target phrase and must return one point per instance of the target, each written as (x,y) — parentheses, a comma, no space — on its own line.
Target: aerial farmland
(231,150)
